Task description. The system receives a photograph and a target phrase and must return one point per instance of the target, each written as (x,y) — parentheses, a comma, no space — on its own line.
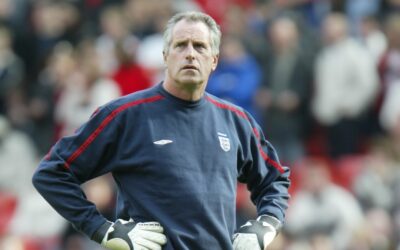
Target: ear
(214,62)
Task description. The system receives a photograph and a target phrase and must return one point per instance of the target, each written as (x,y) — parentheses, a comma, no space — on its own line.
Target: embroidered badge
(224,142)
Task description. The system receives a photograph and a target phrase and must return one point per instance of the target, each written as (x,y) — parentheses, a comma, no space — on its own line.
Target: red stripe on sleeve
(104,123)
(48,155)
(228,107)
(255,131)
(270,161)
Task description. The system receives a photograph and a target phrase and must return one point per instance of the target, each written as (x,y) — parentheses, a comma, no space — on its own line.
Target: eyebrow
(183,41)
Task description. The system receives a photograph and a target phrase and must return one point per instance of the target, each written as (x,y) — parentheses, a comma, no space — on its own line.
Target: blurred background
(322,77)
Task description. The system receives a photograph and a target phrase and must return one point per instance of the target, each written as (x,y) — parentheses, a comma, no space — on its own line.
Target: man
(175,153)
(346,85)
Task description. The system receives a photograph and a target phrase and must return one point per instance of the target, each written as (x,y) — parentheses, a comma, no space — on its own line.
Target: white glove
(256,234)
(128,235)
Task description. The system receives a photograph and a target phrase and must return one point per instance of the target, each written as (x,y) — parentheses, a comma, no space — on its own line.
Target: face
(189,58)
(334,29)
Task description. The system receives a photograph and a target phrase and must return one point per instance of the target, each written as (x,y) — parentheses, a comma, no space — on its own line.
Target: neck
(187,92)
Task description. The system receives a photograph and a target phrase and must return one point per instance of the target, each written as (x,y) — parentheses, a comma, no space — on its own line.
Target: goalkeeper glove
(256,234)
(128,235)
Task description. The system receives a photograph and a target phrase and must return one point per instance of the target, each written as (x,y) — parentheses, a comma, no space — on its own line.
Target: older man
(175,153)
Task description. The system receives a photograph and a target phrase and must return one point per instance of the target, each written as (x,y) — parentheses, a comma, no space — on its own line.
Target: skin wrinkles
(189,60)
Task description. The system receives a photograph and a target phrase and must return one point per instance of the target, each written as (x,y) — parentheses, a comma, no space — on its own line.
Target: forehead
(184,30)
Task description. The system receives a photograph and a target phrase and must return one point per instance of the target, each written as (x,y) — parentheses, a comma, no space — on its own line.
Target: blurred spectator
(377,188)
(15,171)
(389,67)
(286,89)
(90,11)
(130,76)
(379,228)
(11,70)
(59,70)
(33,218)
(322,213)
(390,113)
(312,11)
(237,76)
(114,28)
(146,17)
(149,29)
(8,11)
(235,21)
(149,56)
(248,25)
(373,37)
(14,15)
(345,87)
(376,232)
(388,174)
(373,185)
(52,21)
(84,94)
(390,120)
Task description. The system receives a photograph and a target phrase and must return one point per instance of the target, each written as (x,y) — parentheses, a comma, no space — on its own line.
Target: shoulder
(242,119)
(135,99)
(227,107)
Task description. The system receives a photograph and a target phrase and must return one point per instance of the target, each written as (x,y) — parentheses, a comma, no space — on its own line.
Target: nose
(190,52)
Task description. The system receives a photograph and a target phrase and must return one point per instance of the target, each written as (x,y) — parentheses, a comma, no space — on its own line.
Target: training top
(174,161)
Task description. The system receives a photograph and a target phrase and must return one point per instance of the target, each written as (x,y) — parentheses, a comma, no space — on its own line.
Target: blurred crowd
(322,77)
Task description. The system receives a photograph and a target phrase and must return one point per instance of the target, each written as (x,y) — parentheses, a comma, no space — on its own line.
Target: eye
(179,45)
(200,46)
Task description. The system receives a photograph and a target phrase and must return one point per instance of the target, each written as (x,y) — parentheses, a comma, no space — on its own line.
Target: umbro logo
(163,142)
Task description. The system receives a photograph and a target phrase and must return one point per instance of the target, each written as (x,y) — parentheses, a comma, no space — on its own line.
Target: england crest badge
(224,142)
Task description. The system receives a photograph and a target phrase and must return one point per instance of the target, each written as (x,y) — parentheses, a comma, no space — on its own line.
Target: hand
(127,235)
(256,234)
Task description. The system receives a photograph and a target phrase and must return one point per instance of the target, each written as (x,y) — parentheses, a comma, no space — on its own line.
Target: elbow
(40,179)
(37,179)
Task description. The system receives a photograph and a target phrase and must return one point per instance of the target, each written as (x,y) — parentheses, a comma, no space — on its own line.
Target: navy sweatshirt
(174,161)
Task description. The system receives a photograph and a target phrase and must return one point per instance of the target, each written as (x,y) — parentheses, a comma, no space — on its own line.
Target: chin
(191,82)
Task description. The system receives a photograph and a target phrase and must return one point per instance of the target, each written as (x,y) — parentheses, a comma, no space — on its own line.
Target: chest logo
(224,142)
(163,142)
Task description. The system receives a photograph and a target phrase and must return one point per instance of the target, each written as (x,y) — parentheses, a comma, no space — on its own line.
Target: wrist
(270,220)
(256,234)
(101,232)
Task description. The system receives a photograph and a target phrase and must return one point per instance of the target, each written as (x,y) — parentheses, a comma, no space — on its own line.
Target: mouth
(189,67)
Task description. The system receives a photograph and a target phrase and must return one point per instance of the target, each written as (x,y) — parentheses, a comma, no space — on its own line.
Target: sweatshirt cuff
(274,222)
(101,232)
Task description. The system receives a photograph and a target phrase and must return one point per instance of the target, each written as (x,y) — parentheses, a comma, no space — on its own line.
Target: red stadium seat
(8,204)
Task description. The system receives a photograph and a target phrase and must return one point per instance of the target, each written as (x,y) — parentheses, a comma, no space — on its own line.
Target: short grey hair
(194,16)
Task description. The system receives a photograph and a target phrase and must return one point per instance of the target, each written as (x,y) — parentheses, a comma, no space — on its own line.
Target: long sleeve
(266,179)
(72,161)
